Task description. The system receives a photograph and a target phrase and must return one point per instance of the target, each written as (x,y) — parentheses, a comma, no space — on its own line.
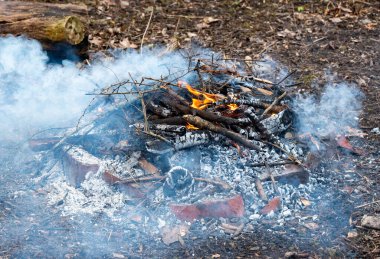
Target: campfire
(214,141)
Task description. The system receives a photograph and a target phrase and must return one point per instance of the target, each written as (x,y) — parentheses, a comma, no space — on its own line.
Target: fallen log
(44,22)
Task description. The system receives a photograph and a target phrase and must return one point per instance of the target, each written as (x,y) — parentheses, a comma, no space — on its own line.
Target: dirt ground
(315,38)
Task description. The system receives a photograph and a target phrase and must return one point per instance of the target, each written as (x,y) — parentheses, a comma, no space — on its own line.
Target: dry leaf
(97,41)
(209,20)
(352,234)
(305,202)
(202,25)
(172,235)
(125,44)
(311,225)
(286,33)
(335,20)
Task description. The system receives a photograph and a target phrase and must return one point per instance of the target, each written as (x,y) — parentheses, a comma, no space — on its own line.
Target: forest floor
(314,37)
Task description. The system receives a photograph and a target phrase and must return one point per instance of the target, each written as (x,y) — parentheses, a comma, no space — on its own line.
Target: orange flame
(204,99)
(191,127)
(233,106)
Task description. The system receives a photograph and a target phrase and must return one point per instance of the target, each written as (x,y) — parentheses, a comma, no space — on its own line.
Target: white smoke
(36,95)
(337,108)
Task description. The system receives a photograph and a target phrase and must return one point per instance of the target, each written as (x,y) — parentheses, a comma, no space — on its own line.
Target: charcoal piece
(179,182)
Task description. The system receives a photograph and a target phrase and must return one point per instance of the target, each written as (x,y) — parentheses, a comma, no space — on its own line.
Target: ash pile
(214,143)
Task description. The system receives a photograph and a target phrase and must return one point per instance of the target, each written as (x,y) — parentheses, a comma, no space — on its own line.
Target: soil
(316,38)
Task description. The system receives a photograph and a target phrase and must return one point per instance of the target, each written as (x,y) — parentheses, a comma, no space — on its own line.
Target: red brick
(224,208)
(272,205)
(77,163)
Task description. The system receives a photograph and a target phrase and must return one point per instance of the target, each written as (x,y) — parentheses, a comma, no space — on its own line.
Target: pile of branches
(219,101)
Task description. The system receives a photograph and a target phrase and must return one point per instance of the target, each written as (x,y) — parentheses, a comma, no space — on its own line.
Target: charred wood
(190,139)
(177,120)
(162,127)
(201,123)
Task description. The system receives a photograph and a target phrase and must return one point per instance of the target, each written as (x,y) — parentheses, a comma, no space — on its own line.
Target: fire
(233,106)
(191,127)
(204,99)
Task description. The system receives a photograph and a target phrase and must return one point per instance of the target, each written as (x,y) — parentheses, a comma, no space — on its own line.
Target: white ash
(126,167)
(93,197)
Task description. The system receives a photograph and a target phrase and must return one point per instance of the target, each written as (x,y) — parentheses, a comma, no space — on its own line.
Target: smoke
(36,95)
(337,108)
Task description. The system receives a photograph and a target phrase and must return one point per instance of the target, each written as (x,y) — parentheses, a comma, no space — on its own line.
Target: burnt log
(201,123)
(44,22)
(190,139)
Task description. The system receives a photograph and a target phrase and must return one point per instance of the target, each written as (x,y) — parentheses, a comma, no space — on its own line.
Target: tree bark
(44,22)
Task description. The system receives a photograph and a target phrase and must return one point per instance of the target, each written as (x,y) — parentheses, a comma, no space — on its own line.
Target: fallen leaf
(272,205)
(335,20)
(126,44)
(148,167)
(210,20)
(202,25)
(352,234)
(311,225)
(305,202)
(286,33)
(370,26)
(97,41)
(172,235)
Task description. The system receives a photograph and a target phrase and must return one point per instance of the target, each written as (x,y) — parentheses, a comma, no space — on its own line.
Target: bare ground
(314,37)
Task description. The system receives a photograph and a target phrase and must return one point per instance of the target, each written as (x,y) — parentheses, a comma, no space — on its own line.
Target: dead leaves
(206,22)
(174,234)
(126,44)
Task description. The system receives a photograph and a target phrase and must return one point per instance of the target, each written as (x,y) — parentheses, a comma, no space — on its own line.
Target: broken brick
(343,142)
(272,205)
(77,163)
(226,208)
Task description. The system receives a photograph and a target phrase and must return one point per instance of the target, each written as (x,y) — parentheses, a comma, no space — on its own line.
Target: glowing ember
(191,127)
(233,106)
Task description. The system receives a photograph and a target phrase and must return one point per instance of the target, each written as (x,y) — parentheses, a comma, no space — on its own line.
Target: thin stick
(219,183)
(367,204)
(269,172)
(260,189)
(273,104)
(146,30)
